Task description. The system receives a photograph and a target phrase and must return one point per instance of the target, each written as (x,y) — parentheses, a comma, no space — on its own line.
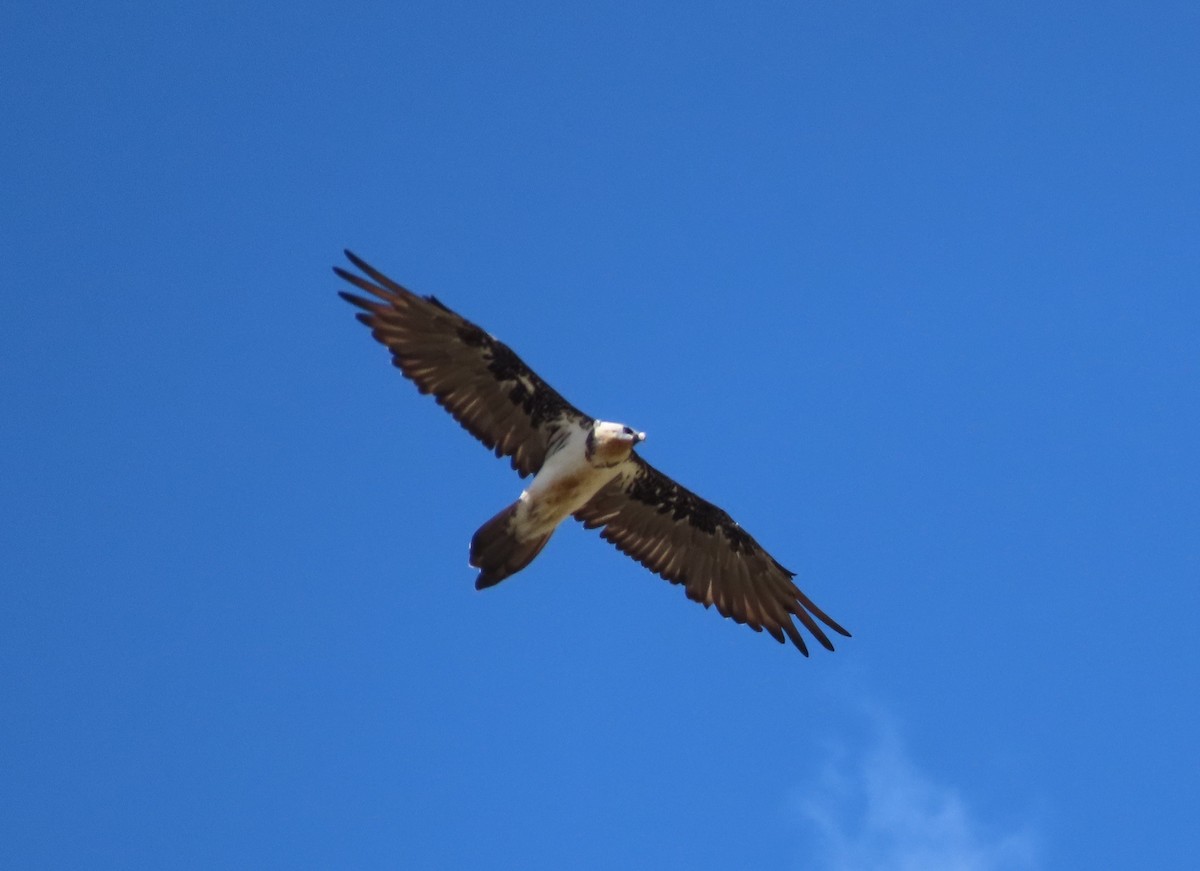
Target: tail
(497,552)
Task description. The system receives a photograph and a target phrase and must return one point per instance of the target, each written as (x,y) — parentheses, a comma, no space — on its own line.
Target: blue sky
(909,289)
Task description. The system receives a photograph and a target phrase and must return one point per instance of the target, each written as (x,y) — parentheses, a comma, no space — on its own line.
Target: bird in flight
(582,467)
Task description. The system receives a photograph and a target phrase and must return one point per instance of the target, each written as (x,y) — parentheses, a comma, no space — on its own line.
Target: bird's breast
(561,489)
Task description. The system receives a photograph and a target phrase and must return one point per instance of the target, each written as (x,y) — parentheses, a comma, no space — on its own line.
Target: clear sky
(910,289)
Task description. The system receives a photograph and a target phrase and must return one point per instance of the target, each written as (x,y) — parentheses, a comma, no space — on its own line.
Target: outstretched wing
(687,540)
(478,379)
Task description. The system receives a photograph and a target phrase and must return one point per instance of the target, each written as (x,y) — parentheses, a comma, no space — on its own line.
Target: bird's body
(582,467)
(577,466)
(571,476)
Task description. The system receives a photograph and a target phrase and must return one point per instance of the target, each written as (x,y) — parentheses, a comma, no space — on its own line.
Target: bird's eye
(628,430)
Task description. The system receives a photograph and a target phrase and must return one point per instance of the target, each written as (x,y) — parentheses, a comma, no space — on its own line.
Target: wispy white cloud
(876,809)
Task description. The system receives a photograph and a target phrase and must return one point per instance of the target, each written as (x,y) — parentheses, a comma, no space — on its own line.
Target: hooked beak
(639,437)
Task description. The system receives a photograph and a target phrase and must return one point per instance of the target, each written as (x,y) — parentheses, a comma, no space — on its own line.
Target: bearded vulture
(582,467)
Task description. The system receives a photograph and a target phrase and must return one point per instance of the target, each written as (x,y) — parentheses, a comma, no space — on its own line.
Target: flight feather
(689,541)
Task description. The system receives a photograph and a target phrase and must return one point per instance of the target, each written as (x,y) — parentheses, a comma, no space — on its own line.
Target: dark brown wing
(478,379)
(686,540)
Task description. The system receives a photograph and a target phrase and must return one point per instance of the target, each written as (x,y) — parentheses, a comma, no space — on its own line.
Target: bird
(582,467)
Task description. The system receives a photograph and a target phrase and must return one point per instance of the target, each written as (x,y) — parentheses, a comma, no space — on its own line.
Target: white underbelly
(558,491)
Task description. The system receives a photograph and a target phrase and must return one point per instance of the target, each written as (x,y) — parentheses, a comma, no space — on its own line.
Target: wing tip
(355,300)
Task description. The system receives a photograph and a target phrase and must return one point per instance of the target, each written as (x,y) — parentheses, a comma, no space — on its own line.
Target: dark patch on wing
(477,378)
(541,404)
(656,489)
(688,540)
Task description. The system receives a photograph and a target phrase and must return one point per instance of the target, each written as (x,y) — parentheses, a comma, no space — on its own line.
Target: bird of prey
(582,467)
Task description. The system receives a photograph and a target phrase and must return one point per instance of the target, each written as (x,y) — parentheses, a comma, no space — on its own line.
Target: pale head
(610,443)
